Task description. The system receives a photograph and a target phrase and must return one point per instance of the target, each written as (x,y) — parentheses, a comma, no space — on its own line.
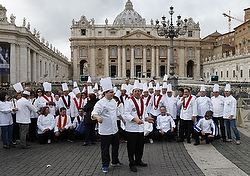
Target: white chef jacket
(73,108)
(130,113)
(108,111)
(61,104)
(151,106)
(33,115)
(203,105)
(165,123)
(190,111)
(44,122)
(206,125)
(43,101)
(172,104)
(218,106)
(5,113)
(75,121)
(229,107)
(24,111)
(68,124)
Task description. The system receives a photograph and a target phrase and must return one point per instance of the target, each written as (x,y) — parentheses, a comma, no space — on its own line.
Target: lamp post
(170,31)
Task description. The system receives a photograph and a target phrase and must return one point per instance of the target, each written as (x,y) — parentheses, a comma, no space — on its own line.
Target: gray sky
(53,17)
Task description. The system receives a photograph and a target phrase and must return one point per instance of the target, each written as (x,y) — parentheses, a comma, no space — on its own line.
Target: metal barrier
(243,111)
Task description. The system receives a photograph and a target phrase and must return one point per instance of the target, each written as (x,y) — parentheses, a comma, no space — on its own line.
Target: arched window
(190,68)
(113,52)
(128,52)
(190,53)
(83,54)
(148,52)
(100,52)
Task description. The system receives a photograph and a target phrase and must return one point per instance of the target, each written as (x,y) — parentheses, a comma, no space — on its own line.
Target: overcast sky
(53,18)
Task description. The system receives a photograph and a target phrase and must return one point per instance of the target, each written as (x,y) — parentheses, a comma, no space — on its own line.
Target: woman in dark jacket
(89,123)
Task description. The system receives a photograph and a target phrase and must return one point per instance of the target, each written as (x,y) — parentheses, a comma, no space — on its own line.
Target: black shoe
(189,142)
(141,164)
(180,140)
(93,142)
(85,143)
(24,147)
(133,168)
(197,143)
(6,146)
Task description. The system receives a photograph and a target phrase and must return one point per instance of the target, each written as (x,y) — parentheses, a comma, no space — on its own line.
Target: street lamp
(171,31)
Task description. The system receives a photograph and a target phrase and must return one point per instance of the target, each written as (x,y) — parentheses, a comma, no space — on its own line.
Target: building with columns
(128,47)
(24,57)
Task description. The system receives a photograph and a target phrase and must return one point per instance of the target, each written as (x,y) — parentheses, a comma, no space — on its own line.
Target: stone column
(119,62)
(38,67)
(13,63)
(123,62)
(28,65)
(197,58)
(106,62)
(168,61)
(92,61)
(33,69)
(144,62)
(153,61)
(157,62)
(23,64)
(181,55)
(75,63)
(132,72)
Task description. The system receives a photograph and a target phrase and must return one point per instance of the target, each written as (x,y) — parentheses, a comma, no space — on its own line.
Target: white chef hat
(18,87)
(169,87)
(165,85)
(165,78)
(118,94)
(115,89)
(26,92)
(141,86)
(123,87)
(89,79)
(96,86)
(65,87)
(228,87)
(157,87)
(150,85)
(75,84)
(90,89)
(203,88)
(145,87)
(47,86)
(76,91)
(106,84)
(216,88)
(137,85)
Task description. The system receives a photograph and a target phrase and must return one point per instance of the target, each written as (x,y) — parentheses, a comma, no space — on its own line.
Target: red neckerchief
(121,97)
(158,101)
(149,97)
(64,101)
(186,105)
(60,121)
(78,105)
(86,87)
(137,107)
(118,103)
(47,99)
(78,119)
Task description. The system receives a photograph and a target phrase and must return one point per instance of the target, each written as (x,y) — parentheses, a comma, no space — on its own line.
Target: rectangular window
(190,33)
(148,32)
(127,32)
(162,70)
(249,73)
(162,52)
(241,73)
(190,53)
(83,31)
(113,71)
(234,73)
(227,74)
(221,74)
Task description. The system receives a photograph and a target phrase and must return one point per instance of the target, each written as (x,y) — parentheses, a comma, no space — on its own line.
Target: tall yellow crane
(229,19)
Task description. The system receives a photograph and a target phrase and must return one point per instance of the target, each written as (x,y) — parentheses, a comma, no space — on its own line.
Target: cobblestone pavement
(237,154)
(66,158)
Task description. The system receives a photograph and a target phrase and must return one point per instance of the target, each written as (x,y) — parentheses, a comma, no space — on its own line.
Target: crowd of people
(138,113)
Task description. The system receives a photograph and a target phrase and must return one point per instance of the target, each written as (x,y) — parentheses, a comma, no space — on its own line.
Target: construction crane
(229,19)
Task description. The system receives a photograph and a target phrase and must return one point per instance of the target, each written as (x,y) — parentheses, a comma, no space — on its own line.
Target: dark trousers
(220,120)
(32,129)
(176,124)
(155,122)
(197,139)
(186,126)
(65,134)
(43,138)
(167,136)
(15,129)
(135,145)
(90,133)
(106,140)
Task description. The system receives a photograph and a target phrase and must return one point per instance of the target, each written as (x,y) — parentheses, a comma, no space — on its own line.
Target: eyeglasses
(111,92)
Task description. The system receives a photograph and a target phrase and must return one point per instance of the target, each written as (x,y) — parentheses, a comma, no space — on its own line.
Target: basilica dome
(128,16)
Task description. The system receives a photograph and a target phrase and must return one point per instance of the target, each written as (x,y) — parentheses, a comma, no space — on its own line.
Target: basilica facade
(129,47)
